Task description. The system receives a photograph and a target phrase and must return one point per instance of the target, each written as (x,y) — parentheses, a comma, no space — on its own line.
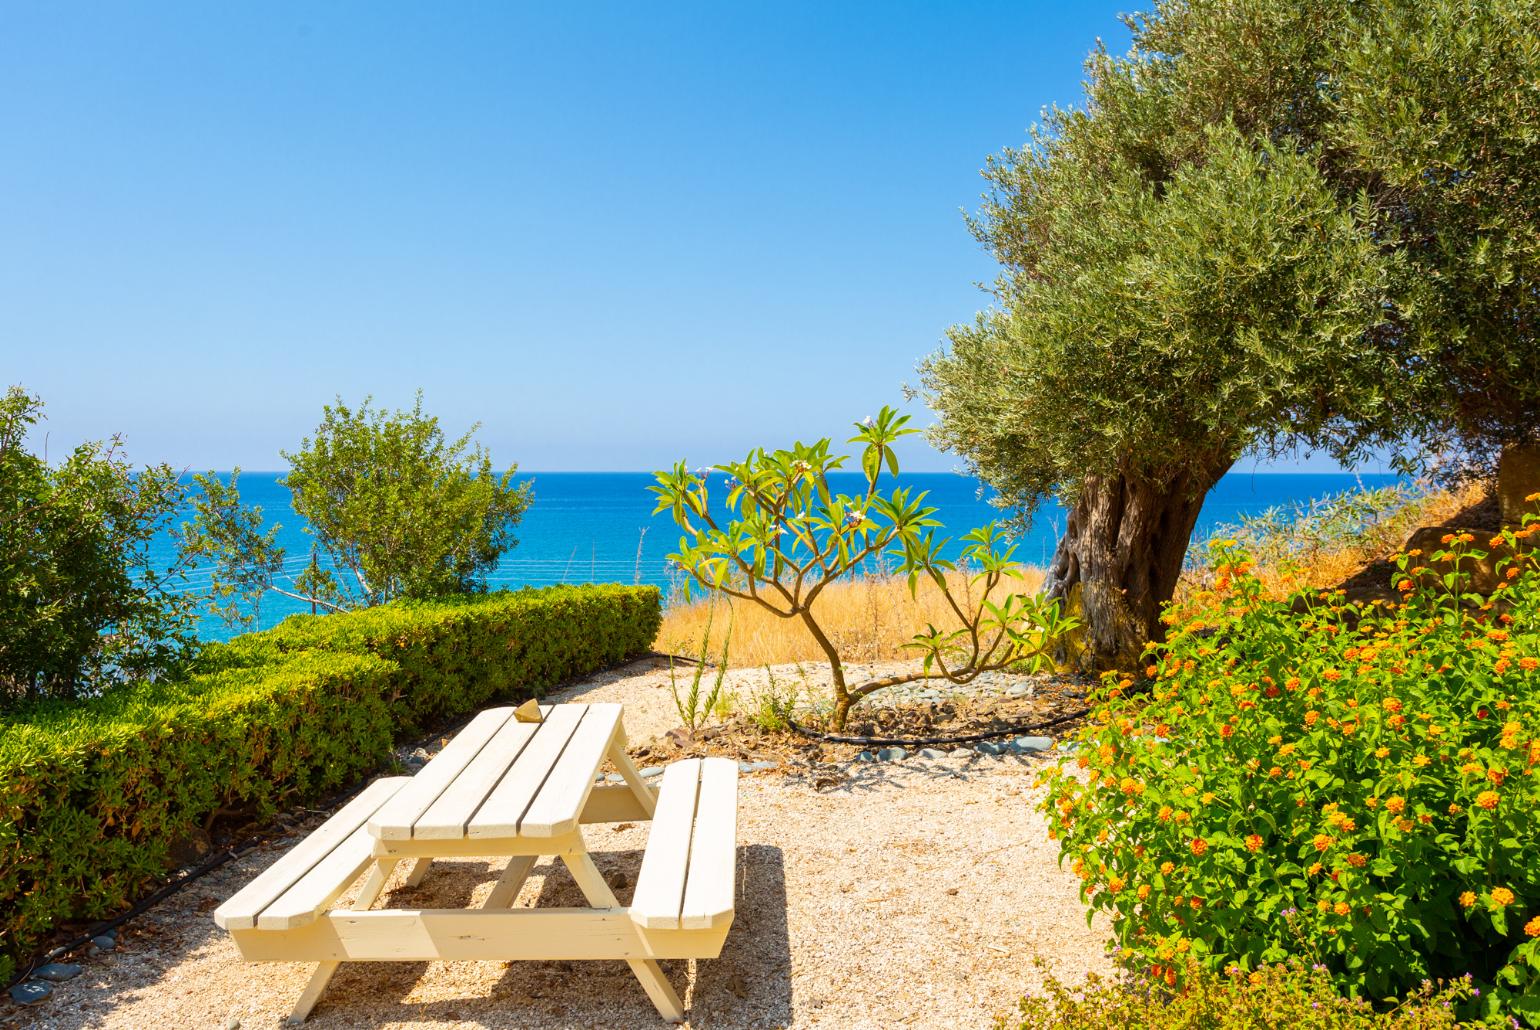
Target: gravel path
(911,894)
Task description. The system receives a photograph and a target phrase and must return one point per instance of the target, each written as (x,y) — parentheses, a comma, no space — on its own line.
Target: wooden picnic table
(522,789)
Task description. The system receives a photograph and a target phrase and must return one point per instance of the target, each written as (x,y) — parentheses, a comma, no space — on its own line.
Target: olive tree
(781,536)
(394,507)
(1272,225)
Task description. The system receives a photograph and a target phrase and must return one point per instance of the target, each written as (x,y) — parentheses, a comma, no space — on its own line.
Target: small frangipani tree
(783,535)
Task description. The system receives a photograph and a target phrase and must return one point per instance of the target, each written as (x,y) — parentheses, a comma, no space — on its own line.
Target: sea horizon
(589,526)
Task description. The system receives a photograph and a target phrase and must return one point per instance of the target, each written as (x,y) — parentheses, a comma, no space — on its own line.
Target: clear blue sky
(614,234)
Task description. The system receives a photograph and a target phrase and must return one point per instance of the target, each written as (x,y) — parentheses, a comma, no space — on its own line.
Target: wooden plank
(645,795)
(447,817)
(499,815)
(242,909)
(506,890)
(394,821)
(322,885)
(479,847)
(324,972)
(616,803)
(646,970)
(661,883)
(709,892)
(560,799)
(557,934)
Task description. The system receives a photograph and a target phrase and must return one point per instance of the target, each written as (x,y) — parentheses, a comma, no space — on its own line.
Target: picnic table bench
(505,786)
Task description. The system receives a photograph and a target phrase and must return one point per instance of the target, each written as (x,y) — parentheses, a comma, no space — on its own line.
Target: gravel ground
(911,894)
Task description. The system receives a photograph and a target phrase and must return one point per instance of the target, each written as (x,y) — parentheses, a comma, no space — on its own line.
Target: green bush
(454,655)
(99,799)
(1262,999)
(1354,784)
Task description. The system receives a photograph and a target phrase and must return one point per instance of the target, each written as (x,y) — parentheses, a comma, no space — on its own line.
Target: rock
(930,754)
(892,754)
(648,774)
(1018,690)
(615,778)
(754,767)
(866,756)
(30,993)
(1518,476)
(1481,574)
(58,972)
(234,1023)
(1024,744)
(989,747)
(105,942)
(963,752)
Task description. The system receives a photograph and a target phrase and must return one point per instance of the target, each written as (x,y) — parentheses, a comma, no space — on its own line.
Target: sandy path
(913,895)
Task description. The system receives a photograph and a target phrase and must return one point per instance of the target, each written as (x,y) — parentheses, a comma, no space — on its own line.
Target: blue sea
(589,527)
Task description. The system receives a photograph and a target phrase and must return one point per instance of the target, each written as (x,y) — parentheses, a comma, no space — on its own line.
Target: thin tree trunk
(1119,560)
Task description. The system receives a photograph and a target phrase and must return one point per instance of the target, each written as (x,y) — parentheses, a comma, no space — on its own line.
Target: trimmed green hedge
(455,655)
(98,798)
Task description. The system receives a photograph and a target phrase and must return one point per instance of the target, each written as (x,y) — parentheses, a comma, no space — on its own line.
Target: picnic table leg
(633,777)
(419,871)
(373,885)
(508,884)
(647,971)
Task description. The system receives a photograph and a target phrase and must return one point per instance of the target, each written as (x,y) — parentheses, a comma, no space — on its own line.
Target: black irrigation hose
(139,907)
(961,739)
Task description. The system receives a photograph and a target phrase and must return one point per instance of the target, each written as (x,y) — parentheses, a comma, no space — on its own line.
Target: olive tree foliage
(1235,247)
(1155,337)
(1437,110)
(84,601)
(782,535)
(394,507)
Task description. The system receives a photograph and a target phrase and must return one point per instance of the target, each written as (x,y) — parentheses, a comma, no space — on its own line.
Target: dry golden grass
(1328,562)
(868,619)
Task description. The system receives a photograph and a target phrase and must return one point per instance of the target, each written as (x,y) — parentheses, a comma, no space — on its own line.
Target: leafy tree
(785,535)
(82,604)
(1236,248)
(395,510)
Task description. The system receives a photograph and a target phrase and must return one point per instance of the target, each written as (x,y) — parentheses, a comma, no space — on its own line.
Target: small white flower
(868,421)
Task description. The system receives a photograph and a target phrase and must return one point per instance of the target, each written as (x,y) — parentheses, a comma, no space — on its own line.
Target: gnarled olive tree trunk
(1119,559)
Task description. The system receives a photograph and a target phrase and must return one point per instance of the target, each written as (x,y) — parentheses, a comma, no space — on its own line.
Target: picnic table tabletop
(501,778)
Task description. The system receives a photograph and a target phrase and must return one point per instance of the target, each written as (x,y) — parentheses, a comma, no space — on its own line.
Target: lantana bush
(1352,784)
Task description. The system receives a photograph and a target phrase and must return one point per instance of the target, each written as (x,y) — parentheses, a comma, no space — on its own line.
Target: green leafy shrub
(99,800)
(1262,999)
(456,654)
(1354,784)
(83,604)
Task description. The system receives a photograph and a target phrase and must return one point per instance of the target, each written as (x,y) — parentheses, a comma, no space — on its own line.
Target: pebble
(754,767)
(58,972)
(1018,690)
(990,747)
(31,992)
(930,753)
(866,756)
(892,754)
(1031,743)
(648,774)
(105,942)
(233,1024)
(964,752)
(614,778)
